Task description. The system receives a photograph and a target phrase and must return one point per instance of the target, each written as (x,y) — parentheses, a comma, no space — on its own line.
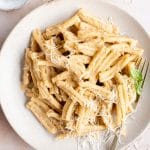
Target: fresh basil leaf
(136,74)
(138,87)
(138,79)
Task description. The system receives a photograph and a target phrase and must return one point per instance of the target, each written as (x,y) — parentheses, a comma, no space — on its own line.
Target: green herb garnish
(138,79)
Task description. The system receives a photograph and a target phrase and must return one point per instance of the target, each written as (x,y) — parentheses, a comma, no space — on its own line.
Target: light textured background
(140,9)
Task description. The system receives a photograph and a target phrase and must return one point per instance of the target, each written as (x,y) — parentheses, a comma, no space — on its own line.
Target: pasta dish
(80,76)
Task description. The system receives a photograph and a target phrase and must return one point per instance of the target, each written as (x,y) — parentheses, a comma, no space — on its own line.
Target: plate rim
(15,27)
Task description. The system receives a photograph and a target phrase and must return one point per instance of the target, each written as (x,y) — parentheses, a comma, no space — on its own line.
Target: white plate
(12,98)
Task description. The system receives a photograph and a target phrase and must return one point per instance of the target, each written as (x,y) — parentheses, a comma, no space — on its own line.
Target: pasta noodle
(76,76)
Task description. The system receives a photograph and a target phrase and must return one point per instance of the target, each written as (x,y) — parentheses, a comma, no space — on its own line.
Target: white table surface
(140,9)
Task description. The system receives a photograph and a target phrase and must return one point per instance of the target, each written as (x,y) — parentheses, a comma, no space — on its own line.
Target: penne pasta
(41,115)
(122,62)
(78,76)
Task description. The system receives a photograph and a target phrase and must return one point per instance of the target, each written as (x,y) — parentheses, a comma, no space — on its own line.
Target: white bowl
(11,59)
(8,5)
